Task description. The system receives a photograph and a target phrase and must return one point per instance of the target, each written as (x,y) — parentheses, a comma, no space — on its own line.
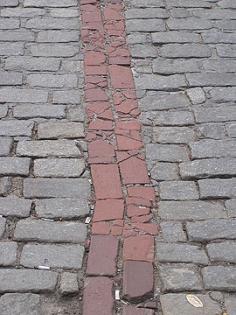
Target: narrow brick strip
(124,197)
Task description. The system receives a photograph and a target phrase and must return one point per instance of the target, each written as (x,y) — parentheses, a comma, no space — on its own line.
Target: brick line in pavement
(122,234)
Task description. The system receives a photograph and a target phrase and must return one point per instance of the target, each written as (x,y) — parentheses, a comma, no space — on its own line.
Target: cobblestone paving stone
(44,181)
(183,61)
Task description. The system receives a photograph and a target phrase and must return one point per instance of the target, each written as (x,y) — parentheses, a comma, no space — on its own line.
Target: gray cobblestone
(9,3)
(151,25)
(217,188)
(231,129)
(211,79)
(230,303)
(53,50)
(44,111)
(69,283)
(196,95)
(50,3)
(220,65)
(54,130)
(57,36)
(157,82)
(215,114)
(222,252)
(148,3)
(14,206)
(189,24)
(178,190)
(14,166)
(3,111)
(173,134)
(64,12)
(174,118)
(52,23)
(17,304)
(219,278)
(9,24)
(231,207)
(52,80)
(210,230)
(14,95)
(58,167)
(2,226)
(185,51)
(189,4)
(62,208)
(175,37)
(213,148)
(213,131)
(56,256)
(5,185)
(8,253)
(169,252)
(165,171)
(228,51)
(5,146)
(13,49)
(63,97)
(218,37)
(223,94)
(172,232)
(21,12)
(169,66)
(45,148)
(56,187)
(16,35)
(55,232)
(16,128)
(32,64)
(190,210)
(14,280)
(166,152)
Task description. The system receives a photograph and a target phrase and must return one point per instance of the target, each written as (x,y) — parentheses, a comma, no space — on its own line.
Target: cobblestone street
(117,157)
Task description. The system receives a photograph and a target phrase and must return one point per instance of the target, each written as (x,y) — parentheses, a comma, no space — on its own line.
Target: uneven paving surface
(184,63)
(44,187)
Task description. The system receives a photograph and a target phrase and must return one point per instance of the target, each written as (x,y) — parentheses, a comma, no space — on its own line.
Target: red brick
(128,125)
(149,228)
(97,297)
(94,58)
(138,201)
(126,143)
(106,180)
(113,12)
(95,70)
(96,94)
(141,218)
(109,209)
(101,228)
(134,171)
(134,210)
(100,151)
(142,192)
(139,248)
(102,255)
(121,77)
(126,106)
(137,280)
(132,310)
(100,124)
(116,230)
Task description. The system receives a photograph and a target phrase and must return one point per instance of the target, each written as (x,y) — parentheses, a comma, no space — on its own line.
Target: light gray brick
(148,3)
(230,303)
(163,100)
(16,35)
(143,51)
(9,24)
(147,13)
(219,278)
(14,166)
(2,226)
(178,190)
(165,171)
(151,25)
(44,111)
(62,148)
(231,129)
(188,4)
(72,65)
(221,65)
(175,37)
(216,37)
(227,4)
(76,113)
(9,3)
(10,78)
(69,283)
(50,3)
(14,95)
(64,12)
(63,97)
(189,24)
(182,306)
(5,146)
(48,23)
(3,111)
(214,131)
(32,64)
(210,230)
(191,210)
(172,232)
(223,94)
(173,134)
(45,231)
(16,128)
(62,208)
(53,50)
(213,148)
(180,278)
(16,303)
(169,252)
(196,95)
(137,38)
(56,256)
(157,82)
(215,14)
(222,252)
(231,207)
(208,168)
(227,51)
(8,253)
(5,185)
(211,79)
(24,280)
(14,206)
(52,80)
(58,167)
(173,118)
(22,12)
(60,129)
(184,51)
(55,187)
(217,188)
(58,36)
(215,114)
(11,49)
(170,66)
(225,25)
(166,152)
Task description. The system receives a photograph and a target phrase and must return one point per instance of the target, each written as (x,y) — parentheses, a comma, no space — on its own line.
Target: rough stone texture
(14,206)
(219,278)
(18,304)
(69,283)
(2,226)
(224,251)
(8,253)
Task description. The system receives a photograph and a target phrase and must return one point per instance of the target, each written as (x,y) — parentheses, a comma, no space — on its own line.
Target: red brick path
(122,232)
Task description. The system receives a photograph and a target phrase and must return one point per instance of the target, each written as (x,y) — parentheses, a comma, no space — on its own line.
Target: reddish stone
(94,16)
(138,201)
(100,151)
(95,94)
(106,180)
(132,310)
(134,171)
(139,248)
(116,230)
(108,209)
(100,228)
(142,192)
(141,219)
(128,125)
(137,280)
(101,124)
(102,256)
(98,80)
(134,210)
(149,228)
(94,58)
(113,12)
(96,107)
(126,106)
(97,298)
(117,60)
(126,143)
(121,77)
(95,70)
